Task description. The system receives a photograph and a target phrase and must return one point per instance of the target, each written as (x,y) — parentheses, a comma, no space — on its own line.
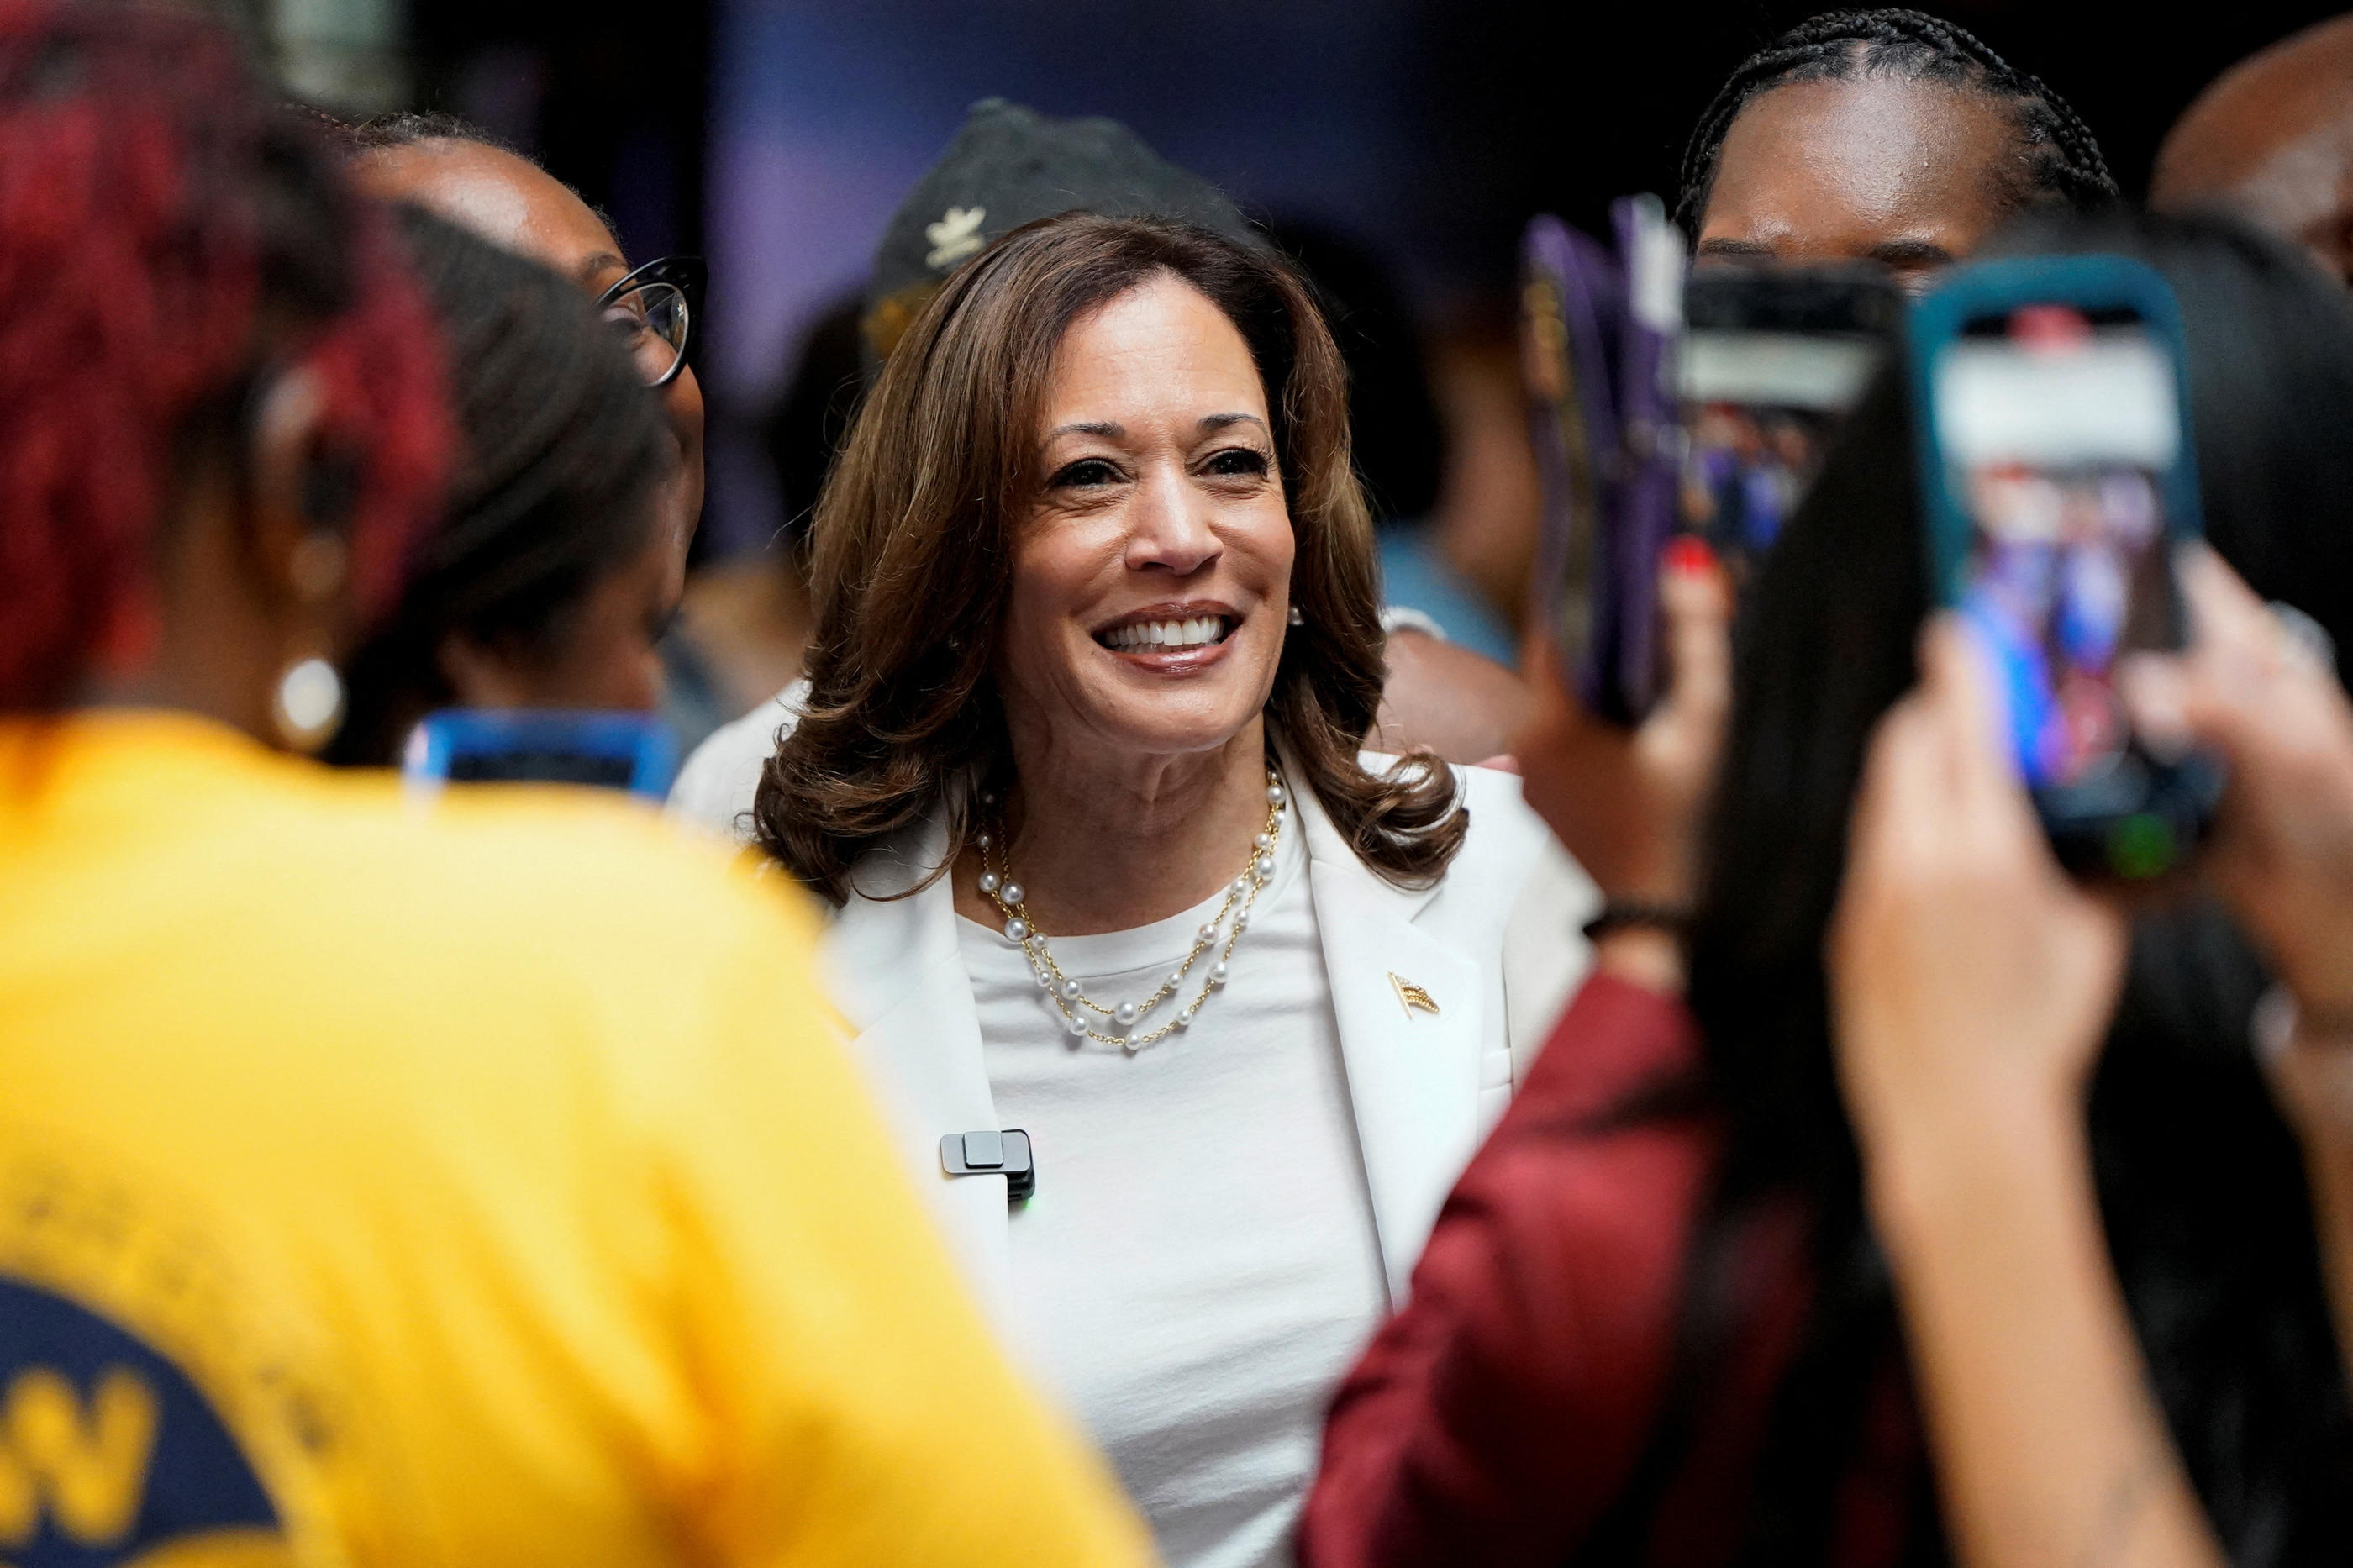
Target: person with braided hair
(381,1183)
(548,579)
(463,173)
(1883,135)
(1822,1232)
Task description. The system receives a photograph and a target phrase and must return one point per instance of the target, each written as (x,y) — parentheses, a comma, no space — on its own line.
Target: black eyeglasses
(653,311)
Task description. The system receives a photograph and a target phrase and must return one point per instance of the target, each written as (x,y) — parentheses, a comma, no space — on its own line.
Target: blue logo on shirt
(109,1453)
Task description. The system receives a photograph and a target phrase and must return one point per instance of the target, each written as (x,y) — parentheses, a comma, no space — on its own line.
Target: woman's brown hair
(913,552)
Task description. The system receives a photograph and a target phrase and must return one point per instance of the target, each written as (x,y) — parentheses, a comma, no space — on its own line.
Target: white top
(1199,1264)
(1218,1220)
(1543,956)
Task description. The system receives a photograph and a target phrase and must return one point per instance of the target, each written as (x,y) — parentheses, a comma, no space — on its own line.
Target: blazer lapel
(1410,1010)
(892,967)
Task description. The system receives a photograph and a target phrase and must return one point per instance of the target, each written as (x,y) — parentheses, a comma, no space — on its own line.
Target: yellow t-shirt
(481,1185)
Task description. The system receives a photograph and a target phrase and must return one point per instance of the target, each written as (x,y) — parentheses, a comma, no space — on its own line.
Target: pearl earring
(308,703)
(1296,618)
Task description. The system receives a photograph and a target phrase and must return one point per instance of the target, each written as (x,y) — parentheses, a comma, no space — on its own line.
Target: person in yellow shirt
(472,1182)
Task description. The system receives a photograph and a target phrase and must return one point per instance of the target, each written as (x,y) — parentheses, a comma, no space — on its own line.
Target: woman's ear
(298,524)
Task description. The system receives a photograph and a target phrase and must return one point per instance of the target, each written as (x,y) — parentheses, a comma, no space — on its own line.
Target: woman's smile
(1171,638)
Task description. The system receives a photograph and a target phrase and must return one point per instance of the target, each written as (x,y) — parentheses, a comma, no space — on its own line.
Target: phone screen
(622,751)
(1771,362)
(544,764)
(1759,419)
(2058,432)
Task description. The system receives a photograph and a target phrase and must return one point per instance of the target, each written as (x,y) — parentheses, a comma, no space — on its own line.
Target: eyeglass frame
(687,275)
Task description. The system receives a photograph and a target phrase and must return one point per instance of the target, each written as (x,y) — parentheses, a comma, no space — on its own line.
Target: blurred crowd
(1716,931)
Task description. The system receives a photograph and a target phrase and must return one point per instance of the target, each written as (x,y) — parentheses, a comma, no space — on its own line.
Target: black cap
(1010,165)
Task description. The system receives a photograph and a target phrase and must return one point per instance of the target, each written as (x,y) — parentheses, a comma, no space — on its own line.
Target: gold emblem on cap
(1412,997)
(954,237)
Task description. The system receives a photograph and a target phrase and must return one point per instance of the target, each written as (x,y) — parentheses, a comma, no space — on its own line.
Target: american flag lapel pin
(1412,997)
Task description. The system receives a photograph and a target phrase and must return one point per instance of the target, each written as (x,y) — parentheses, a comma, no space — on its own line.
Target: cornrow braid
(2061,162)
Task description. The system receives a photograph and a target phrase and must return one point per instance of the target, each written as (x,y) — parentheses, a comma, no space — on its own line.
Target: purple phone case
(1643,518)
(1584,278)
(1620,372)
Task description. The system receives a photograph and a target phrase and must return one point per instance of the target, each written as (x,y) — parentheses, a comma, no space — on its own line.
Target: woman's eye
(1087,472)
(1239,461)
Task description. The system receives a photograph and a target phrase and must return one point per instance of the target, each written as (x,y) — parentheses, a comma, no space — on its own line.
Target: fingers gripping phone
(2058,475)
(622,751)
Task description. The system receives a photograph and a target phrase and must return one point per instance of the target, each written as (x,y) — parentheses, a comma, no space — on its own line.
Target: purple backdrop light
(824,115)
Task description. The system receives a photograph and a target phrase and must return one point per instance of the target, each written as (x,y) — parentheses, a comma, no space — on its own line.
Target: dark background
(775,136)
(1519,107)
(1568,140)
(614,98)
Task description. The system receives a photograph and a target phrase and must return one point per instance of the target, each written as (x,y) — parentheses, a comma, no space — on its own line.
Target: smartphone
(1599,328)
(2058,475)
(623,751)
(1771,360)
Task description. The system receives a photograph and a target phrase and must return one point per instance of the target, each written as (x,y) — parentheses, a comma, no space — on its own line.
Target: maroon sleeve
(1500,1411)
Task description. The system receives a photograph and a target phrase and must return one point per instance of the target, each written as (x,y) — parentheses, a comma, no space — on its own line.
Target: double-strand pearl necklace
(1073,1003)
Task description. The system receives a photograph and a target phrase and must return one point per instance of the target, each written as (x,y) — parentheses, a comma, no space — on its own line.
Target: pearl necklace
(1073,1003)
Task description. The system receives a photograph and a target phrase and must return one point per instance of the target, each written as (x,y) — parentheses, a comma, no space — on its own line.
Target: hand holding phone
(2263,695)
(1660,403)
(2058,479)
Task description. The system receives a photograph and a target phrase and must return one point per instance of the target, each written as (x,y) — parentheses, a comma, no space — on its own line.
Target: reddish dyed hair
(170,238)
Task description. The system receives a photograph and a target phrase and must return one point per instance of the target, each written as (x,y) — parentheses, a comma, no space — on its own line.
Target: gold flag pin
(1411,996)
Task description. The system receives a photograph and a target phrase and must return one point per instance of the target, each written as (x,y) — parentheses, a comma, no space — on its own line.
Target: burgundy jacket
(1499,1414)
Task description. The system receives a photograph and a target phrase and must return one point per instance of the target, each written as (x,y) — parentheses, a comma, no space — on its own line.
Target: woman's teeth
(1167,634)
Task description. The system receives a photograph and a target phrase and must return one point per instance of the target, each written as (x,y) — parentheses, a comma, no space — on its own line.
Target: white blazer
(1423,1086)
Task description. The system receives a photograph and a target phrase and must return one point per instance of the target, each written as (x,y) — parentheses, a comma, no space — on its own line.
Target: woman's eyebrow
(1912,253)
(1102,427)
(602,262)
(1220,421)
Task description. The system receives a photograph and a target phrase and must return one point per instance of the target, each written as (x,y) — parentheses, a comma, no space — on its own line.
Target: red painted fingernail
(1689,555)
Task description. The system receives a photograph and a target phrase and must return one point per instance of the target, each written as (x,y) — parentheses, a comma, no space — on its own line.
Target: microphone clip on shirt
(1005,1154)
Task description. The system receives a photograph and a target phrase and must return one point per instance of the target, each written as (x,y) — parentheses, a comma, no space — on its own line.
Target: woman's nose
(1171,528)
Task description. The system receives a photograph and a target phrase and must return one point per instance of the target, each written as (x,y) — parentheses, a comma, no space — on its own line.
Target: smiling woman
(1093,395)
(1098,642)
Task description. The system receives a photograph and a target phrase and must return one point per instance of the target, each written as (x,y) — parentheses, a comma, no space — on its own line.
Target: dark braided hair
(561,445)
(2059,160)
(170,239)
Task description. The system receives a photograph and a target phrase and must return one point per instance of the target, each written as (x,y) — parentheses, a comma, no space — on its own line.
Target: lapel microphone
(1005,1154)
